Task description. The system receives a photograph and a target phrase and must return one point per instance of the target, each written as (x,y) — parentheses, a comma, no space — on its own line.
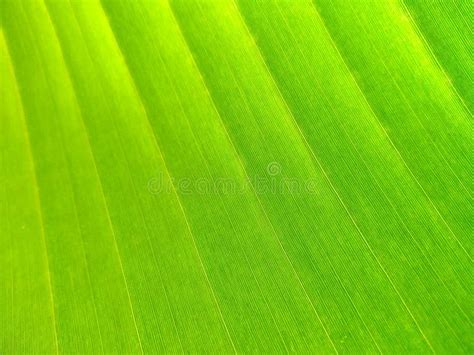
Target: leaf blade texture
(207,176)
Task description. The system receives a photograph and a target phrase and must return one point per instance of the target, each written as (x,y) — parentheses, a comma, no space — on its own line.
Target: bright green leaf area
(221,176)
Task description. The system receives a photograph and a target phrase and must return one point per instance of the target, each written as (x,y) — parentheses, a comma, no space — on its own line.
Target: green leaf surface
(220,176)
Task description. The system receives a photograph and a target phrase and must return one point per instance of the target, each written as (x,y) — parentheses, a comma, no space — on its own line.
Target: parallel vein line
(355,307)
(419,32)
(132,80)
(146,227)
(38,202)
(179,198)
(371,174)
(428,135)
(364,97)
(207,168)
(331,265)
(151,247)
(369,106)
(369,170)
(244,170)
(109,221)
(337,194)
(71,190)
